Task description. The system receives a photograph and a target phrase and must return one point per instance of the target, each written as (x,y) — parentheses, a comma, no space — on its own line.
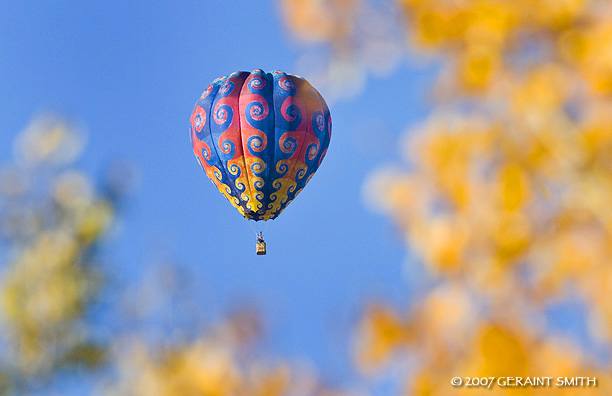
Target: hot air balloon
(260,137)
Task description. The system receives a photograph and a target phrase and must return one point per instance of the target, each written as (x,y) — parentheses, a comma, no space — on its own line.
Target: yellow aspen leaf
(503,353)
(381,332)
(478,64)
(515,187)
(512,234)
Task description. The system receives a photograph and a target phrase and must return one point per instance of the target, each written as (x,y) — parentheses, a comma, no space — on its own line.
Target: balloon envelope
(260,137)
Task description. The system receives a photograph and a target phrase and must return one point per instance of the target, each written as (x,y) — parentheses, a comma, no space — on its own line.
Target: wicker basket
(261,248)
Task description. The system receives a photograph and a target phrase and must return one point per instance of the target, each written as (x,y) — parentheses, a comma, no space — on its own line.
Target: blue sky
(132,71)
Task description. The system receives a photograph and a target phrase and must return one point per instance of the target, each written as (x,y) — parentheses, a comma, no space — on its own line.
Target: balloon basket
(261,248)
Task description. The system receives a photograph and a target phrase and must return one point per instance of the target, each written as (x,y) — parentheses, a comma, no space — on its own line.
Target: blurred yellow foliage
(51,219)
(320,20)
(221,362)
(382,333)
(356,33)
(507,200)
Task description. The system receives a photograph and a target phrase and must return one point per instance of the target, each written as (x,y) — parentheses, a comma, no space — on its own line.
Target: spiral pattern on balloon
(199,118)
(218,174)
(206,92)
(257,83)
(234,169)
(227,87)
(257,142)
(291,111)
(286,84)
(258,108)
(198,122)
(222,113)
(258,167)
(313,149)
(282,168)
(227,146)
(287,144)
(206,151)
(319,120)
(301,173)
